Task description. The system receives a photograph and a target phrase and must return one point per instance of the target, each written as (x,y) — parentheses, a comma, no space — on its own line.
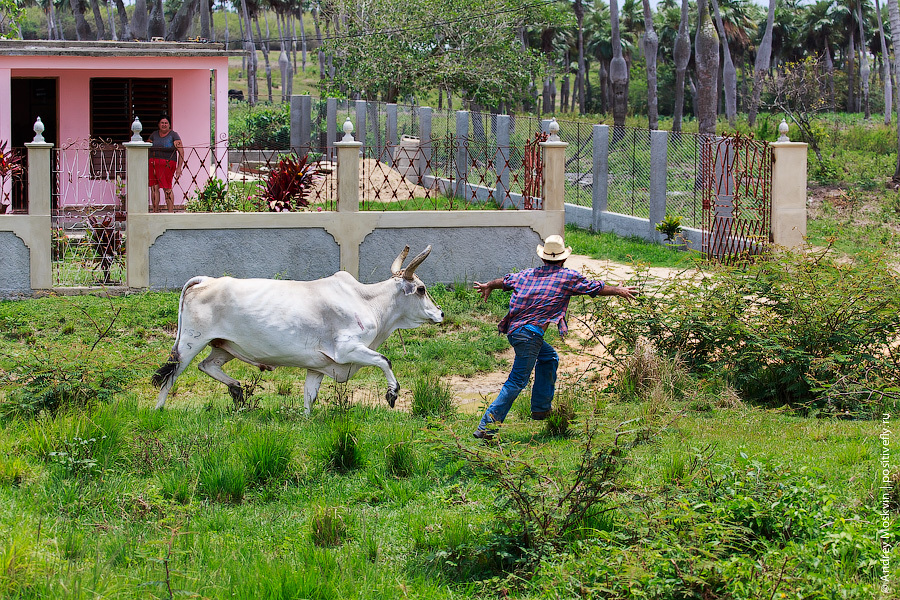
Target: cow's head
(421,307)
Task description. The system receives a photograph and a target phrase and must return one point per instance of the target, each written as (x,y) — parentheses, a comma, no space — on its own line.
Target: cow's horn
(398,262)
(411,267)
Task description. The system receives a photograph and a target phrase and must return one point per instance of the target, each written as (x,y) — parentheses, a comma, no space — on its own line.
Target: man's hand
(486,288)
(628,292)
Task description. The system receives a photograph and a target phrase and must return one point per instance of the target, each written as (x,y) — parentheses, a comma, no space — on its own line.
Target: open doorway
(31,98)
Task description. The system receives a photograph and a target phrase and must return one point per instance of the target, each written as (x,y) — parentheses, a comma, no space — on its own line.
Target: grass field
(677,490)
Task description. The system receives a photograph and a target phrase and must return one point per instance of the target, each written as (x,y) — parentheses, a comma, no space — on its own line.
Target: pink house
(85,92)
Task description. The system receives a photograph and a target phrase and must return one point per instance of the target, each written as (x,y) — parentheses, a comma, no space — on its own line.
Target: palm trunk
(651,47)
(682,56)
(264,44)
(763,56)
(98,20)
(707,62)
(863,62)
(885,68)
(729,73)
(250,49)
(157,27)
(894,13)
(82,28)
(582,71)
(618,70)
(205,19)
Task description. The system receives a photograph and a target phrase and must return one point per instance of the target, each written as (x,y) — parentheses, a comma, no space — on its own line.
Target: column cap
(38,145)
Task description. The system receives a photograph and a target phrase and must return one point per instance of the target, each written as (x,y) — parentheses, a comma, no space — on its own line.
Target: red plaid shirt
(541,296)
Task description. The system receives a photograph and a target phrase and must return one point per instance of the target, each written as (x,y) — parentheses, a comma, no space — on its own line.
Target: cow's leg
(311,389)
(179,359)
(212,366)
(362,355)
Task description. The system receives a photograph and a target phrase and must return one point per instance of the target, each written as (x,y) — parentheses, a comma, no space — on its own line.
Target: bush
(51,384)
(287,185)
(785,330)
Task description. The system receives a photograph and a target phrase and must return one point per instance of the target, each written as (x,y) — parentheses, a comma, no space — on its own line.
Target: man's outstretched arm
(490,286)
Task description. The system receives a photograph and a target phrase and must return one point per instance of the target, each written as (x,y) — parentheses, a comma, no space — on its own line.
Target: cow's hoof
(391,396)
(237,393)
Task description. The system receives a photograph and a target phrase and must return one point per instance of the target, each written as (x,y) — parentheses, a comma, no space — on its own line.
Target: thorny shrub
(796,328)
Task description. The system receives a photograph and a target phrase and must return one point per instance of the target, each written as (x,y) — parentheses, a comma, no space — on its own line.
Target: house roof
(107,48)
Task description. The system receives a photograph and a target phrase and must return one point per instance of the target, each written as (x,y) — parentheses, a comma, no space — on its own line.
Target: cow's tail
(167,372)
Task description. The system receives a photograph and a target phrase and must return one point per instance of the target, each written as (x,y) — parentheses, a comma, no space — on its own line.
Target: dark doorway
(31,98)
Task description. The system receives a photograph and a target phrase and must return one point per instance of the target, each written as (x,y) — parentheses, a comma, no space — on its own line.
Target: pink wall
(191,98)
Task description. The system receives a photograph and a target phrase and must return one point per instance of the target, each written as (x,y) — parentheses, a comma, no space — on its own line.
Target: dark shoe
(482,434)
(539,415)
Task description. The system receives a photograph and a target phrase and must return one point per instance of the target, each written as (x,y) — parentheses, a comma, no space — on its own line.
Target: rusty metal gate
(736,182)
(88,214)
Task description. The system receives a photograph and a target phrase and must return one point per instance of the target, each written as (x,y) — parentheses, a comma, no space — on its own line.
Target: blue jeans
(532,354)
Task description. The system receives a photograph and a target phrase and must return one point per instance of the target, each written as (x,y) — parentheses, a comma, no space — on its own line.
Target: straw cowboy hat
(554,248)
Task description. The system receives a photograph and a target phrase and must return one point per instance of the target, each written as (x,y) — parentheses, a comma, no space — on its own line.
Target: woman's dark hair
(164,116)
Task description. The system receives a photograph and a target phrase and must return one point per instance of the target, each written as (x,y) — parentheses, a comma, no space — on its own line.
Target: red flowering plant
(287,185)
(10,165)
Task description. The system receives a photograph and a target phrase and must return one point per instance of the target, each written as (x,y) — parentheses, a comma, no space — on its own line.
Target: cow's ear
(408,286)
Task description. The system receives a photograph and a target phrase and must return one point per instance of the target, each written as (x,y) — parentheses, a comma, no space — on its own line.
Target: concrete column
(462,154)
(348,191)
(361,124)
(600,183)
(39,183)
(501,160)
(301,124)
(789,194)
(658,162)
(331,129)
(137,199)
(554,151)
(390,138)
(424,141)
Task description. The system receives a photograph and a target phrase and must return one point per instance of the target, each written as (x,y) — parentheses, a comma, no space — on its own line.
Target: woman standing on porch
(166,161)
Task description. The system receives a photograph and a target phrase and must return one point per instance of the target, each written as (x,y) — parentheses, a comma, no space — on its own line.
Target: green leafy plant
(670,227)
(76,457)
(211,198)
(780,330)
(287,185)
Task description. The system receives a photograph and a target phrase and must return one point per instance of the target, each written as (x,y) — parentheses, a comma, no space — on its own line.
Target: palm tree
(682,54)
(885,69)
(582,73)
(706,60)
(820,28)
(729,74)
(763,56)
(894,13)
(618,70)
(651,47)
(863,60)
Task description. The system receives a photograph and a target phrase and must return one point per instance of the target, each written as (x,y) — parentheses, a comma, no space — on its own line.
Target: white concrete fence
(163,250)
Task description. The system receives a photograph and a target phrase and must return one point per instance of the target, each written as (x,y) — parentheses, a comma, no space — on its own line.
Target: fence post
(331,127)
(348,191)
(137,199)
(301,124)
(501,159)
(39,179)
(390,136)
(600,183)
(361,124)
(461,159)
(789,194)
(555,179)
(658,161)
(424,168)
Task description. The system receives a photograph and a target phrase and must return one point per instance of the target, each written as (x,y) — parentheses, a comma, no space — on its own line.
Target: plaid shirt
(541,296)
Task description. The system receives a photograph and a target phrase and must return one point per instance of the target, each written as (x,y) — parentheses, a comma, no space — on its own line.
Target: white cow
(330,326)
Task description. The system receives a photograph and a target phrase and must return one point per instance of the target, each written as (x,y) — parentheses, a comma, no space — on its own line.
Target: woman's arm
(180,149)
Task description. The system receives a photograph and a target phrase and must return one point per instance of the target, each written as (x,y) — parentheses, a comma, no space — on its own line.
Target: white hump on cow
(331,326)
